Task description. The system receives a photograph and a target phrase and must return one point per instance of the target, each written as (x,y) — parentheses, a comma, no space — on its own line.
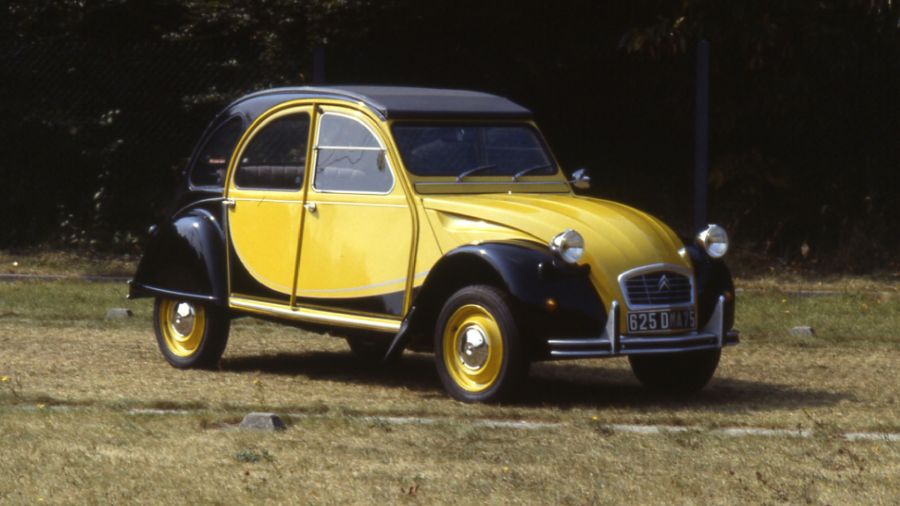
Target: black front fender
(530,273)
(185,258)
(713,279)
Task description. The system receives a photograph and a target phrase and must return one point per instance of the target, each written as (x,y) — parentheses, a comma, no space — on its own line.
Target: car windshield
(463,150)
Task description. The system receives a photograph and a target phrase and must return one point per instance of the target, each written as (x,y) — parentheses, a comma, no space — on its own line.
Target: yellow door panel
(353,250)
(264,236)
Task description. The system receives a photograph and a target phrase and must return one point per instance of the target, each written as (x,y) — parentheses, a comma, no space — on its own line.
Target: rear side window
(209,170)
(276,156)
(349,158)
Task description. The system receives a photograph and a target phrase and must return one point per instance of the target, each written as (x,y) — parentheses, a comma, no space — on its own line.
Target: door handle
(228,203)
(310,206)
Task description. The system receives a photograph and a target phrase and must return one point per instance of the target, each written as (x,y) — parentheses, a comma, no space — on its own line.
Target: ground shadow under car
(550,384)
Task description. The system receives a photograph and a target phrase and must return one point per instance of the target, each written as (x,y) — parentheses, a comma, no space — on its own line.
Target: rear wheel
(478,349)
(190,334)
(676,372)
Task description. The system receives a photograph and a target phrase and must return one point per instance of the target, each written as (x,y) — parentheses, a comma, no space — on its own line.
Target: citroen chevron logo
(663,284)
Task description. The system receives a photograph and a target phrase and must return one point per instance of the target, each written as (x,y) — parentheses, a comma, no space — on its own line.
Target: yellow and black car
(428,219)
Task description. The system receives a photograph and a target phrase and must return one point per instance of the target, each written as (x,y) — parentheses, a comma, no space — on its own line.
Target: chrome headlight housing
(569,245)
(714,240)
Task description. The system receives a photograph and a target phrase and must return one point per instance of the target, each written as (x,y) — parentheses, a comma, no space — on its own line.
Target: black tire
(479,321)
(203,344)
(676,372)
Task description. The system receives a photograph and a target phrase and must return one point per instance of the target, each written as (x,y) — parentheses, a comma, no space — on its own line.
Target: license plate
(664,320)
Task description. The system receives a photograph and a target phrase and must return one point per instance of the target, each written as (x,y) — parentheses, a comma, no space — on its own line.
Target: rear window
(211,164)
(275,159)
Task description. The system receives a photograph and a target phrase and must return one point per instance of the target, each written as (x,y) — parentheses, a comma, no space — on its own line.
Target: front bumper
(610,343)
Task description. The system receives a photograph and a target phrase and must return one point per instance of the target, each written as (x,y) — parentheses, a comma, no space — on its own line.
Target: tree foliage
(806,119)
(102,102)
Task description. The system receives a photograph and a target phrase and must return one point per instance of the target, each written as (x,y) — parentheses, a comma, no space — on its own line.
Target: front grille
(651,289)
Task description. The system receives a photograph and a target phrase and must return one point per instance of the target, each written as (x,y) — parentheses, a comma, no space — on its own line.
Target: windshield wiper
(474,170)
(530,169)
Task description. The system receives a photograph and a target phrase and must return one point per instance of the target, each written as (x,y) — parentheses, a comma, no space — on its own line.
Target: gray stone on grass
(803,331)
(262,421)
(118,313)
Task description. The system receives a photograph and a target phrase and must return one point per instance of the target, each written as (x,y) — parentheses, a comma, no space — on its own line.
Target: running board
(318,316)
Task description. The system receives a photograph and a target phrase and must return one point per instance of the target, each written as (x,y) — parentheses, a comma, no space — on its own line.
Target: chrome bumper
(611,343)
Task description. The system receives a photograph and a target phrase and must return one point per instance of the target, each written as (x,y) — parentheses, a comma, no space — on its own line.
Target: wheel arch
(185,258)
(460,268)
(527,271)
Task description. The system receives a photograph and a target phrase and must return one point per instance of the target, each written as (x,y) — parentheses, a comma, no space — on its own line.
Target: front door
(266,201)
(358,229)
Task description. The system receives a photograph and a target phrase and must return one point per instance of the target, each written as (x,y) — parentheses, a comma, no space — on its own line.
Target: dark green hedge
(101,104)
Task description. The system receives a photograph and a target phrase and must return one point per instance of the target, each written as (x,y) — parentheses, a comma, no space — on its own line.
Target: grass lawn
(69,432)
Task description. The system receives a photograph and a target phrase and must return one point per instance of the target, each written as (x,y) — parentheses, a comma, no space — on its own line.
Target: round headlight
(714,240)
(569,245)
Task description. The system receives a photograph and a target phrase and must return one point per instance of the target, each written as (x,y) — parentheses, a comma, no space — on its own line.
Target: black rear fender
(185,258)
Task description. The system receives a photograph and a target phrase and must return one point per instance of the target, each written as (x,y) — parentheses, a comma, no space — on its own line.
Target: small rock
(262,421)
(118,313)
(803,331)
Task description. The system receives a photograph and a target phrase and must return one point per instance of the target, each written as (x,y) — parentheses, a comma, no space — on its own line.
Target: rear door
(265,200)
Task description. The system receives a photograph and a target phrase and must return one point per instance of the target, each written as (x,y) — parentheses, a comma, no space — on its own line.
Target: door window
(349,158)
(276,156)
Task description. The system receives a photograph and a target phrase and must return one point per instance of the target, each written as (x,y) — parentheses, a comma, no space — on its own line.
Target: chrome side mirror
(581,179)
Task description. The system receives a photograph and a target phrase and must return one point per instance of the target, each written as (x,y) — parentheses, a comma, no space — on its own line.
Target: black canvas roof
(393,101)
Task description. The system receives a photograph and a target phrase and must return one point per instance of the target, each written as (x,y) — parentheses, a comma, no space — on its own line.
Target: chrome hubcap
(473,347)
(183,319)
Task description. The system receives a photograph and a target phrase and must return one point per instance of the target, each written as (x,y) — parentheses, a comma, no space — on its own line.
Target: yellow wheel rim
(473,348)
(182,326)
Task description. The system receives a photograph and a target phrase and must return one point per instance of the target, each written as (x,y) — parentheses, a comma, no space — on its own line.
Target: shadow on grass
(554,384)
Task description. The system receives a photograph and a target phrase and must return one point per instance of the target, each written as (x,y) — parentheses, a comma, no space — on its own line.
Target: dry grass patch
(270,367)
(59,352)
(795,282)
(103,456)
(67,263)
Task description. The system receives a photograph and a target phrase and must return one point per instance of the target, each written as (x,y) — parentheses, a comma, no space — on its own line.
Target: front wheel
(478,350)
(676,372)
(190,334)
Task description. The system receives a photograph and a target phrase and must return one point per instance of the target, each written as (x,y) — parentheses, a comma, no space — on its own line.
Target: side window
(349,158)
(209,170)
(276,156)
